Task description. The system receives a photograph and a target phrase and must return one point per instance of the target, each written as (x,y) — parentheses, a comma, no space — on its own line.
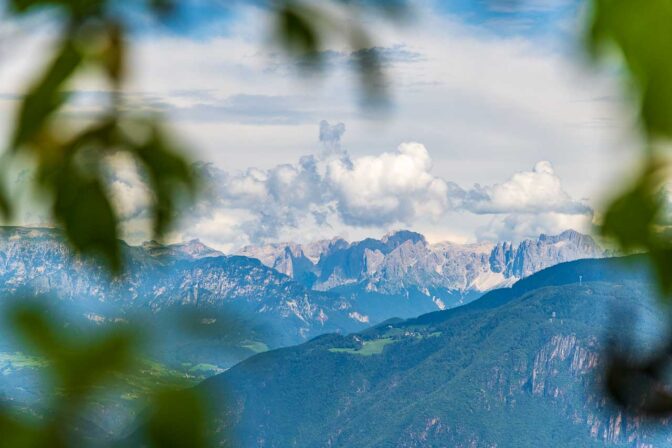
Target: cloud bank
(331,192)
(537,191)
(242,106)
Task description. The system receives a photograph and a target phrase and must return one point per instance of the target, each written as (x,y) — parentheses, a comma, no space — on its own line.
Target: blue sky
(538,18)
(496,129)
(206,18)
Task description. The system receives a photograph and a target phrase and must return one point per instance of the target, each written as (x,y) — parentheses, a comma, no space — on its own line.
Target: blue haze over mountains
(208,311)
(282,294)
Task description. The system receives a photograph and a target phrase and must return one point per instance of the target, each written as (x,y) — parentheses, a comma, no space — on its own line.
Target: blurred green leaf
(14,433)
(83,209)
(631,217)
(661,258)
(114,55)
(640,31)
(178,419)
(26,5)
(5,203)
(296,30)
(33,326)
(47,96)
(78,364)
(169,175)
(636,221)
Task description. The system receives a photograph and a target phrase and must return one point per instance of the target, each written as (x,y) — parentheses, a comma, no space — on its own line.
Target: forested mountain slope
(517,368)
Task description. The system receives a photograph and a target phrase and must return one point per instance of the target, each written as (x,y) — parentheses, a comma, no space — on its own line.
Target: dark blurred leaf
(296,30)
(369,67)
(14,433)
(178,419)
(169,175)
(81,203)
(76,10)
(630,218)
(47,95)
(83,209)
(114,55)
(640,31)
(162,8)
(639,385)
(5,203)
(26,5)
(661,258)
(635,220)
(78,363)
(33,326)
(96,361)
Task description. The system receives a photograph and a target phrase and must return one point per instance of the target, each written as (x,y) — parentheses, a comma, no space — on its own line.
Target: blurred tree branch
(70,169)
(94,37)
(638,219)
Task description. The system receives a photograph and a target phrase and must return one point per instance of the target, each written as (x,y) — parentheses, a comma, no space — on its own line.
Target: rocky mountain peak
(193,249)
(395,239)
(403,261)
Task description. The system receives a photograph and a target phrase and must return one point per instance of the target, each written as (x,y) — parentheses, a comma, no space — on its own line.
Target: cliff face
(532,256)
(405,260)
(566,373)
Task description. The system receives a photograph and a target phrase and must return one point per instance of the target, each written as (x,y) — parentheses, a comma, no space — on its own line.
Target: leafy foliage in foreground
(71,158)
(639,219)
(81,365)
(71,153)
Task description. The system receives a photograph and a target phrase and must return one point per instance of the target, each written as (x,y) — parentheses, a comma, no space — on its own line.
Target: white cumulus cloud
(332,192)
(327,194)
(536,191)
(390,187)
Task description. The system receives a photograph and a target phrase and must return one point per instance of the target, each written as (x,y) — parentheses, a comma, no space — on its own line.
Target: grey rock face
(158,278)
(534,255)
(301,290)
(404,259)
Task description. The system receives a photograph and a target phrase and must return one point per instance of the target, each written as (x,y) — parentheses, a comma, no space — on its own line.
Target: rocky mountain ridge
(288,293)
(160,279)
(405,259)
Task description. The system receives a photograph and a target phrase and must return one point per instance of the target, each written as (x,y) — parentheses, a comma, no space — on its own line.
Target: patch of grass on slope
(255,346)
(368,348)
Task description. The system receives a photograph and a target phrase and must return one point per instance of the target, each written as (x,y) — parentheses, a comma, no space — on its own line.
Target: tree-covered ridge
(518,367)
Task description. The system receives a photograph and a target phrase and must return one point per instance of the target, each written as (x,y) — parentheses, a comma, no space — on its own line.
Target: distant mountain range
(163,285)
(519,367)
(402,275)
(279,294)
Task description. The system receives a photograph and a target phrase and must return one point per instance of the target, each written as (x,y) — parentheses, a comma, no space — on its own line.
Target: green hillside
(517,368)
